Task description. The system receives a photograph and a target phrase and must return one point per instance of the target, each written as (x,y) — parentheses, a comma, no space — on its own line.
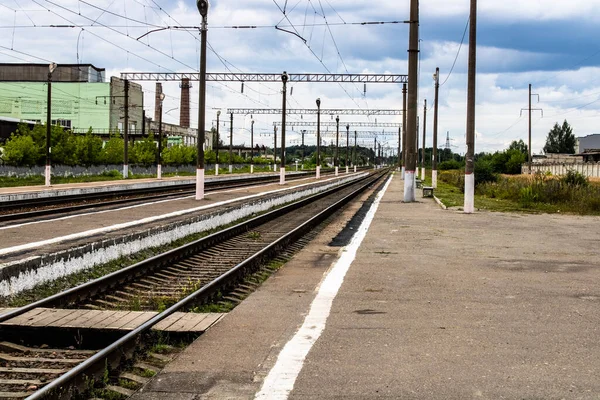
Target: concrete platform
(436,305)
(65,189)
(48,249)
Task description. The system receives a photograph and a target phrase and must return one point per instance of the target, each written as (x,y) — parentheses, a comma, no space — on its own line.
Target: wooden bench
(427,191)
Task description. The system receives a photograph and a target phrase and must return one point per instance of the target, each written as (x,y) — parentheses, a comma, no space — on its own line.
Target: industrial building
(81,99)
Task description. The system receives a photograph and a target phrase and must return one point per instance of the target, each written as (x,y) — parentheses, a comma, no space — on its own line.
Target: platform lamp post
(284,79)
(203,9)
(218,143)
(318,160)
(347,147)
(51,69)
(160,138)
(336,160)
(251,145)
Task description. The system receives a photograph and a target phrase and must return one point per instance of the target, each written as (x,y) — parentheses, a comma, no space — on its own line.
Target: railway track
(17,210)
(198,273)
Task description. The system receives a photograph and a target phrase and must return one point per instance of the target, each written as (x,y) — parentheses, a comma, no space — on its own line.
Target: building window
(65,123)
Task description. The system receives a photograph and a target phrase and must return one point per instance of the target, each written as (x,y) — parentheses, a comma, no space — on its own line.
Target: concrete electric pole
(469,206)
(434,160)
(411,117)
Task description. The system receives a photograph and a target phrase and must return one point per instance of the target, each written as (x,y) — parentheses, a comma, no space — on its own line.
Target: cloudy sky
(552,44)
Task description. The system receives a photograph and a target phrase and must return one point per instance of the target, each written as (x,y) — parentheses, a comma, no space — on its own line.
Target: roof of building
(45,65)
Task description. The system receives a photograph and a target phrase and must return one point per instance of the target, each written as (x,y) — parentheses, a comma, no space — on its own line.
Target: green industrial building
(80,97)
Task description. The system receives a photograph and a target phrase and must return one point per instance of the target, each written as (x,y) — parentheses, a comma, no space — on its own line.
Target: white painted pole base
(282,176)
(434,178)
(230,169)
(159,171)
(318,172)
(125,171)
(336,171)
(469,194)
(409,186)
(422,173)
(355,168)
(216,169)
(403,172)
(274,167)
(251,168)
(347,169)
(199,184)
(47,174)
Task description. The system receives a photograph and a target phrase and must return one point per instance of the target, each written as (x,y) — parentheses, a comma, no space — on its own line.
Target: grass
(530,194)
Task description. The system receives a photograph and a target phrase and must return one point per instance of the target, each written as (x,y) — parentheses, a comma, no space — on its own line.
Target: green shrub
(574,178)
(484,172)
(449,165)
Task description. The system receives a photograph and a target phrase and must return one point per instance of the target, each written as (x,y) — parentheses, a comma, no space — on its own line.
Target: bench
(419,183)
(428,191)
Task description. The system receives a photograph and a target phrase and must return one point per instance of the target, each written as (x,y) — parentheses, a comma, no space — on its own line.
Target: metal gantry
(293,124)
(265,77)
(309,111)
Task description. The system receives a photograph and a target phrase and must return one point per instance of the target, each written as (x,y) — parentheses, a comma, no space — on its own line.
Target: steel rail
(210,287)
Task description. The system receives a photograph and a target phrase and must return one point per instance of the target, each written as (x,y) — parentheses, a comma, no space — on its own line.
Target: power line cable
(458,52)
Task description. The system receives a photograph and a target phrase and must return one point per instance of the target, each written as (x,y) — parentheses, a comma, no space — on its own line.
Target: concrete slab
(436,305)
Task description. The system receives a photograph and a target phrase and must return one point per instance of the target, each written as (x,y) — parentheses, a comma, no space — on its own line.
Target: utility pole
(411,118)
(436,77)
(303,155)
(318,138)
(469,205)
(126,133)
(252,146)
(354,163)
(218,144)
(417,149)
(284,79)
(274,148)
(424,139)
(48,172)
(400,149)
(529,159)
(336,160)
(347,147)
(404,91)
(203,10)
(231,143)
(160,138)
(375,153)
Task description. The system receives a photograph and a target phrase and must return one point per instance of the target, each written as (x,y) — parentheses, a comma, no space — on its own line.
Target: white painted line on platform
(129,224)
(136,206)
(281,379)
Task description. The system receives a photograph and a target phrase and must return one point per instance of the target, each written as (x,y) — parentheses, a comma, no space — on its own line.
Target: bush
(574,178)
(449,165)
(484,172)
(21,150)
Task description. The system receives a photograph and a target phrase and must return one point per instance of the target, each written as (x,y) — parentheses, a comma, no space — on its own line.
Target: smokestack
(184,108)
(158,91)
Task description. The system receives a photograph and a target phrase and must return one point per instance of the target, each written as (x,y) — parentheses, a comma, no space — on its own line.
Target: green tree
(520,145)
(21,150)
(560,139)
(145,151)
(180,155)
(88,148)
(114,149)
